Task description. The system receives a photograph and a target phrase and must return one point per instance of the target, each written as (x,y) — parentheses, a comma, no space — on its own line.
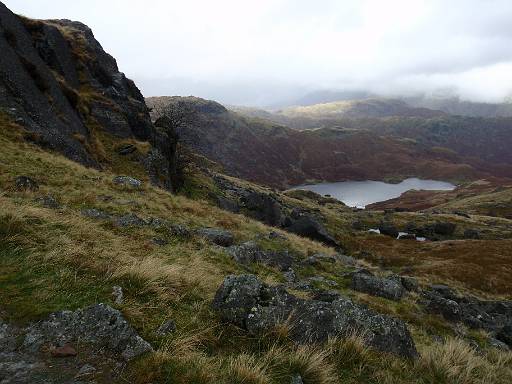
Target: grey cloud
(260,52)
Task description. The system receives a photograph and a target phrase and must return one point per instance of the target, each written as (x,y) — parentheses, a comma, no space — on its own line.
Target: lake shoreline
(361,193)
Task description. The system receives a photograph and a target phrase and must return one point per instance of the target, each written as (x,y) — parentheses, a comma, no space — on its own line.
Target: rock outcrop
(99,325)
(247,302)
(365,281)
(305,225)
(250,252)
(263,207)
(494,316)
(65,347)
(60,86)
(217,236)
(270,209)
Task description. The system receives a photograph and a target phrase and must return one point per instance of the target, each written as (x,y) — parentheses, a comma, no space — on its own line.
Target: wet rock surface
(68,347)
(247,302)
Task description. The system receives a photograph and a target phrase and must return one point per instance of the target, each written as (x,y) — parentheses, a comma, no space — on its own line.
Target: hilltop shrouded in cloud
(264,52)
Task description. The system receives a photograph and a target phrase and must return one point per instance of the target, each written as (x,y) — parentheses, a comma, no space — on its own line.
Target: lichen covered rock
(250,304)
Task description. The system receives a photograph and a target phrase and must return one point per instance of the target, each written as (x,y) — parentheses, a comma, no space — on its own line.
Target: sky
(266,52)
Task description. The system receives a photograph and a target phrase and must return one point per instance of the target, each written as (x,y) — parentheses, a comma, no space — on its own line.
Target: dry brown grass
(484,265)
(311,362)
(245,368)
(456,362)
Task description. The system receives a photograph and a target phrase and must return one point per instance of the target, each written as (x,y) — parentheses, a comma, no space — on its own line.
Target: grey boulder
(389,288)
(217,236)
(100,325)
(494,316)
(247,302)
(250,252)
(48,201)
(127,181)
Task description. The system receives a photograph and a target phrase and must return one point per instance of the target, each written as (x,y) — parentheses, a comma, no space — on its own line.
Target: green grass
(56,259)
(31,291)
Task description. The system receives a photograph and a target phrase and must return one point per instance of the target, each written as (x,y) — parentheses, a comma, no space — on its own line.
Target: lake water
(362,193)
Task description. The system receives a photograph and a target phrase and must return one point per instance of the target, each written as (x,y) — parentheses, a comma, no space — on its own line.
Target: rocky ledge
(271,209)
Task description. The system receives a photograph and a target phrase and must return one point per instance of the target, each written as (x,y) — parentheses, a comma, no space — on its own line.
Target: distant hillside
(357,109)
(327,96)
(253,112)
(270,153)
(456,106)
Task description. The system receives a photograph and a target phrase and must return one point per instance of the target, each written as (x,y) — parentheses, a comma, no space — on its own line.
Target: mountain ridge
(272,153)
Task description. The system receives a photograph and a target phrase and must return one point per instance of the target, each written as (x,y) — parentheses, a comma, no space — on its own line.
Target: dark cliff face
(59,84)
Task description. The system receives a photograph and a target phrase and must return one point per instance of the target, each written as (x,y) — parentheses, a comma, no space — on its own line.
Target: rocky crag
(67,93)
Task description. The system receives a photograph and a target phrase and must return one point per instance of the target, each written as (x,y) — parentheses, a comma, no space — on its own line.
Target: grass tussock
(245,368)
(313,364)
(456,362)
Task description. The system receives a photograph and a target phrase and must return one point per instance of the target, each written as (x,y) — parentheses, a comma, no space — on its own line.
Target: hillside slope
(67,242)
(275,155)
(456,106)
(358,109)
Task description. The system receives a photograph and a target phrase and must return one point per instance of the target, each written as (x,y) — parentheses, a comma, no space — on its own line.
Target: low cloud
(259,52)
